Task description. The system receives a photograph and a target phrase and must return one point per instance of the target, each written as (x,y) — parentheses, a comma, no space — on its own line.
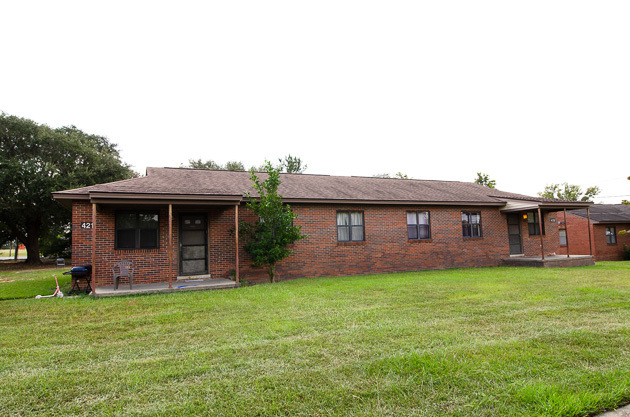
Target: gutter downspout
(590,243)
(170,246)
(540,225)
(236,269)
(566,230)
(94,248)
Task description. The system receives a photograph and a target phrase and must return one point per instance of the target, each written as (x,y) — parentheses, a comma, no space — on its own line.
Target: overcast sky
(531,93)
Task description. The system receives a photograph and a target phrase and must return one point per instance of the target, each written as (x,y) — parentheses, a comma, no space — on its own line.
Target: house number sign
(86,225)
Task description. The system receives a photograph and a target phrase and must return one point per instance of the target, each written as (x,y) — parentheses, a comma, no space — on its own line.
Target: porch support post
(236,271)
(540,225)
(590,243)
(170,246)
(94,283)
(566,230)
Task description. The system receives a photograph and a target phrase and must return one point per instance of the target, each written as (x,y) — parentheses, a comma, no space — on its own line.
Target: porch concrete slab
(551,261)
(162,287)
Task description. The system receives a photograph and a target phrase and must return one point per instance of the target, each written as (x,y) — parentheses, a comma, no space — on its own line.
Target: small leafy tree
(292,165)
(484,179)
(269,238)
(570,192)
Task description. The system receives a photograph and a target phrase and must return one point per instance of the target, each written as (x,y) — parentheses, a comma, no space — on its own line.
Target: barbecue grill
(81,273)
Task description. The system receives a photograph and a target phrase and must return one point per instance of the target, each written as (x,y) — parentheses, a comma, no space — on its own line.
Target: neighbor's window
(350,226)
(418,225)
(136,230)
(611,235)
(471,223)
(562,234)
(533,224)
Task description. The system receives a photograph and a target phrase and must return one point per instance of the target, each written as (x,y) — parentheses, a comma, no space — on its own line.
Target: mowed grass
(470,342)
(5,253)
(18,280)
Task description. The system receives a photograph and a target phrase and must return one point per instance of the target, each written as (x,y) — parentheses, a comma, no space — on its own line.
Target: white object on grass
(57,292)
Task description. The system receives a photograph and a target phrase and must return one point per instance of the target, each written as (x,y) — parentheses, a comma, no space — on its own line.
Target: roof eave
(524,205)
(392,202)
(66,199)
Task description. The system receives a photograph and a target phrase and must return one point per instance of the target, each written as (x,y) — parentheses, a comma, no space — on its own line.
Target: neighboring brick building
(355,225)
(607,220)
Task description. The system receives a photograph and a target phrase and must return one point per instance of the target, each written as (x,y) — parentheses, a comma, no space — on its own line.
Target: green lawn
(470,342)
(7,252)
(18,280)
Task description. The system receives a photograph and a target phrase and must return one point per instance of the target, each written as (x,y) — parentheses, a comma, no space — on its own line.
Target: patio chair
(123,269)
(61,262)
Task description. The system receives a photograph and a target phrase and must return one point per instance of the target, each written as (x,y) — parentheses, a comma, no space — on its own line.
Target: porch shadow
(162,287)
(550,261)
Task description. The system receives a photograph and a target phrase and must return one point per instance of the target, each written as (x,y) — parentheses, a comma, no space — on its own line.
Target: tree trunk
(17,247)
(31,242)
(272,272)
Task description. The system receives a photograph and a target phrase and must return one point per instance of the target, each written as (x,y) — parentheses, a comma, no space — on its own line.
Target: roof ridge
(323,175)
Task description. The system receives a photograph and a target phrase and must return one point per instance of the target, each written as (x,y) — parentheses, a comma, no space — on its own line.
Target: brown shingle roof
(606,213)
(200,182)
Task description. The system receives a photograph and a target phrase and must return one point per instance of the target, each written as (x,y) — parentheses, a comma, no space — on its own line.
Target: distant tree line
(399,175)
(289,164)
(570,192)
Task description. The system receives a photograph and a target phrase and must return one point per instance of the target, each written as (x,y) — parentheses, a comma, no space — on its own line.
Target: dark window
(611,235)
(533,224)
(137,230)
(350,226)
(562,234)
(418,225)
(471,224)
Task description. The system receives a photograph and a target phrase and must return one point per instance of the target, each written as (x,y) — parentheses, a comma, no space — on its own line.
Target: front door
(193,244)
(514,234)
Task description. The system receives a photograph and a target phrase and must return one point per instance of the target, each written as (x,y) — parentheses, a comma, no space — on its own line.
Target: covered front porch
(174,243)
(163,287)
(537,234)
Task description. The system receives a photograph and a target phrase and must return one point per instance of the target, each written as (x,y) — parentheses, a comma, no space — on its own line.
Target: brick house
(606,221)
(178,223)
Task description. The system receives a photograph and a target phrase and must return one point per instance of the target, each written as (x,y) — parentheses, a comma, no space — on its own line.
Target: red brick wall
(81,238)
(577,232)
(531,243)
(610,251)
(385,249)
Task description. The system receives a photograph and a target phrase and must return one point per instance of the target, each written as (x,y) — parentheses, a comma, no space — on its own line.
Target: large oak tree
(36,160)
